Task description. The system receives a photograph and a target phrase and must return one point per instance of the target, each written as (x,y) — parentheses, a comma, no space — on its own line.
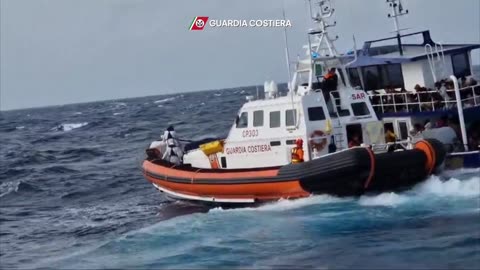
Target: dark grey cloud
(64,51)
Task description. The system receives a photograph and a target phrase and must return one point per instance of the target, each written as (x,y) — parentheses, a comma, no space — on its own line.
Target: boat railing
(425,100)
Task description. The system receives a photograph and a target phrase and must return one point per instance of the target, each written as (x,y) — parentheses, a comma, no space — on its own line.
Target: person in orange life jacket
(297,151)
(330,80)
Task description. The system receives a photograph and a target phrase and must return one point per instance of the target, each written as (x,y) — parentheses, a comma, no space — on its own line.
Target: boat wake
(436,187)
(284,204)
(185,229)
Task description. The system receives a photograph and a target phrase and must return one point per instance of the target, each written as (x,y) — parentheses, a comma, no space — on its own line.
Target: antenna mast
(287,54)
(397,11)
(323,45)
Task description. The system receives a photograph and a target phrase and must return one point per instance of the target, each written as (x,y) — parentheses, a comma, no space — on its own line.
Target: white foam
(9,187)
(452,173)
(285,204)
(78,113)
(453,187)
(69,126)
(118,113)
(20,127)
(383,199)
(164,100)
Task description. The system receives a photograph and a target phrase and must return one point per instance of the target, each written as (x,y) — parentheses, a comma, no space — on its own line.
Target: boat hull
(462,160)
(346,173)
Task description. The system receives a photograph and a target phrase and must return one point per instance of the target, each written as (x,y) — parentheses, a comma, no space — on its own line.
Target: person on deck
(390,136)
(330,80)
(354,141)
(297,151)
(173,152)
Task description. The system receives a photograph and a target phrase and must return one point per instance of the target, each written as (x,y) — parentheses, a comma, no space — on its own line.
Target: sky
(70,51)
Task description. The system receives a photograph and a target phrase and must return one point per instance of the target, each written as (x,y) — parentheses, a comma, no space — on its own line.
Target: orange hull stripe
(372,168)
(289,189)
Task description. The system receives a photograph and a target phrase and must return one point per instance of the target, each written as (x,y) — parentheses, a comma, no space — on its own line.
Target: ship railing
(424,101)
(391,146)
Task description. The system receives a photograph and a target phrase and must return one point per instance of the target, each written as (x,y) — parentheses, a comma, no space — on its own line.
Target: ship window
(461,65)
(223,161)
(242,121)
(290,117)
(316,114)
(371,77)
(392,76)
(318,70)
(360,109)
(258,118)
(275,143)
(354,77)
(275,119)
(403,129)
(289,142)
(383,76)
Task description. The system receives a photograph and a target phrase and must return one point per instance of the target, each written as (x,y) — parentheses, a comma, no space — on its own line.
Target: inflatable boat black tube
(358,170)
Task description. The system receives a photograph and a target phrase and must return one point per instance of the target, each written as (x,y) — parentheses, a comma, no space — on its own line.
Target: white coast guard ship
(254,163)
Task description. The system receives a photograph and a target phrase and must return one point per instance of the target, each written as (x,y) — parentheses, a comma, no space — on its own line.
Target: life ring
(316,142)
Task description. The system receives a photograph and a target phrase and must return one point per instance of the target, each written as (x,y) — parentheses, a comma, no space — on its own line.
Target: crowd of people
(448,130)
(426,99)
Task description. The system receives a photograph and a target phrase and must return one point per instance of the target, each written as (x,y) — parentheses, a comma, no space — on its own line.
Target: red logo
(198,23)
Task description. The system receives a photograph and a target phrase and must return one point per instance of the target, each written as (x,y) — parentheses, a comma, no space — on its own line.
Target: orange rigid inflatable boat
(351,172)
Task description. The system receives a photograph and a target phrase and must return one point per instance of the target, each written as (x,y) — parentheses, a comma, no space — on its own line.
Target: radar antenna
(323,43)
(397,11)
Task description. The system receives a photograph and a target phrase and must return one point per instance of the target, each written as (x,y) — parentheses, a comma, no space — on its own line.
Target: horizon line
(123,98)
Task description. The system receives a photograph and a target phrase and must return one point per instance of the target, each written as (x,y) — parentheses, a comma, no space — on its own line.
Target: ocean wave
(20,127)
(452,187)
(461,171)
(434,186)
(118,113)
(383,199)
(120,104)
(9,187)
(284,204)
(58,169)
(75,194)
(7,129)
(69,126)
(47,139)
(164,100)
(83,152)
